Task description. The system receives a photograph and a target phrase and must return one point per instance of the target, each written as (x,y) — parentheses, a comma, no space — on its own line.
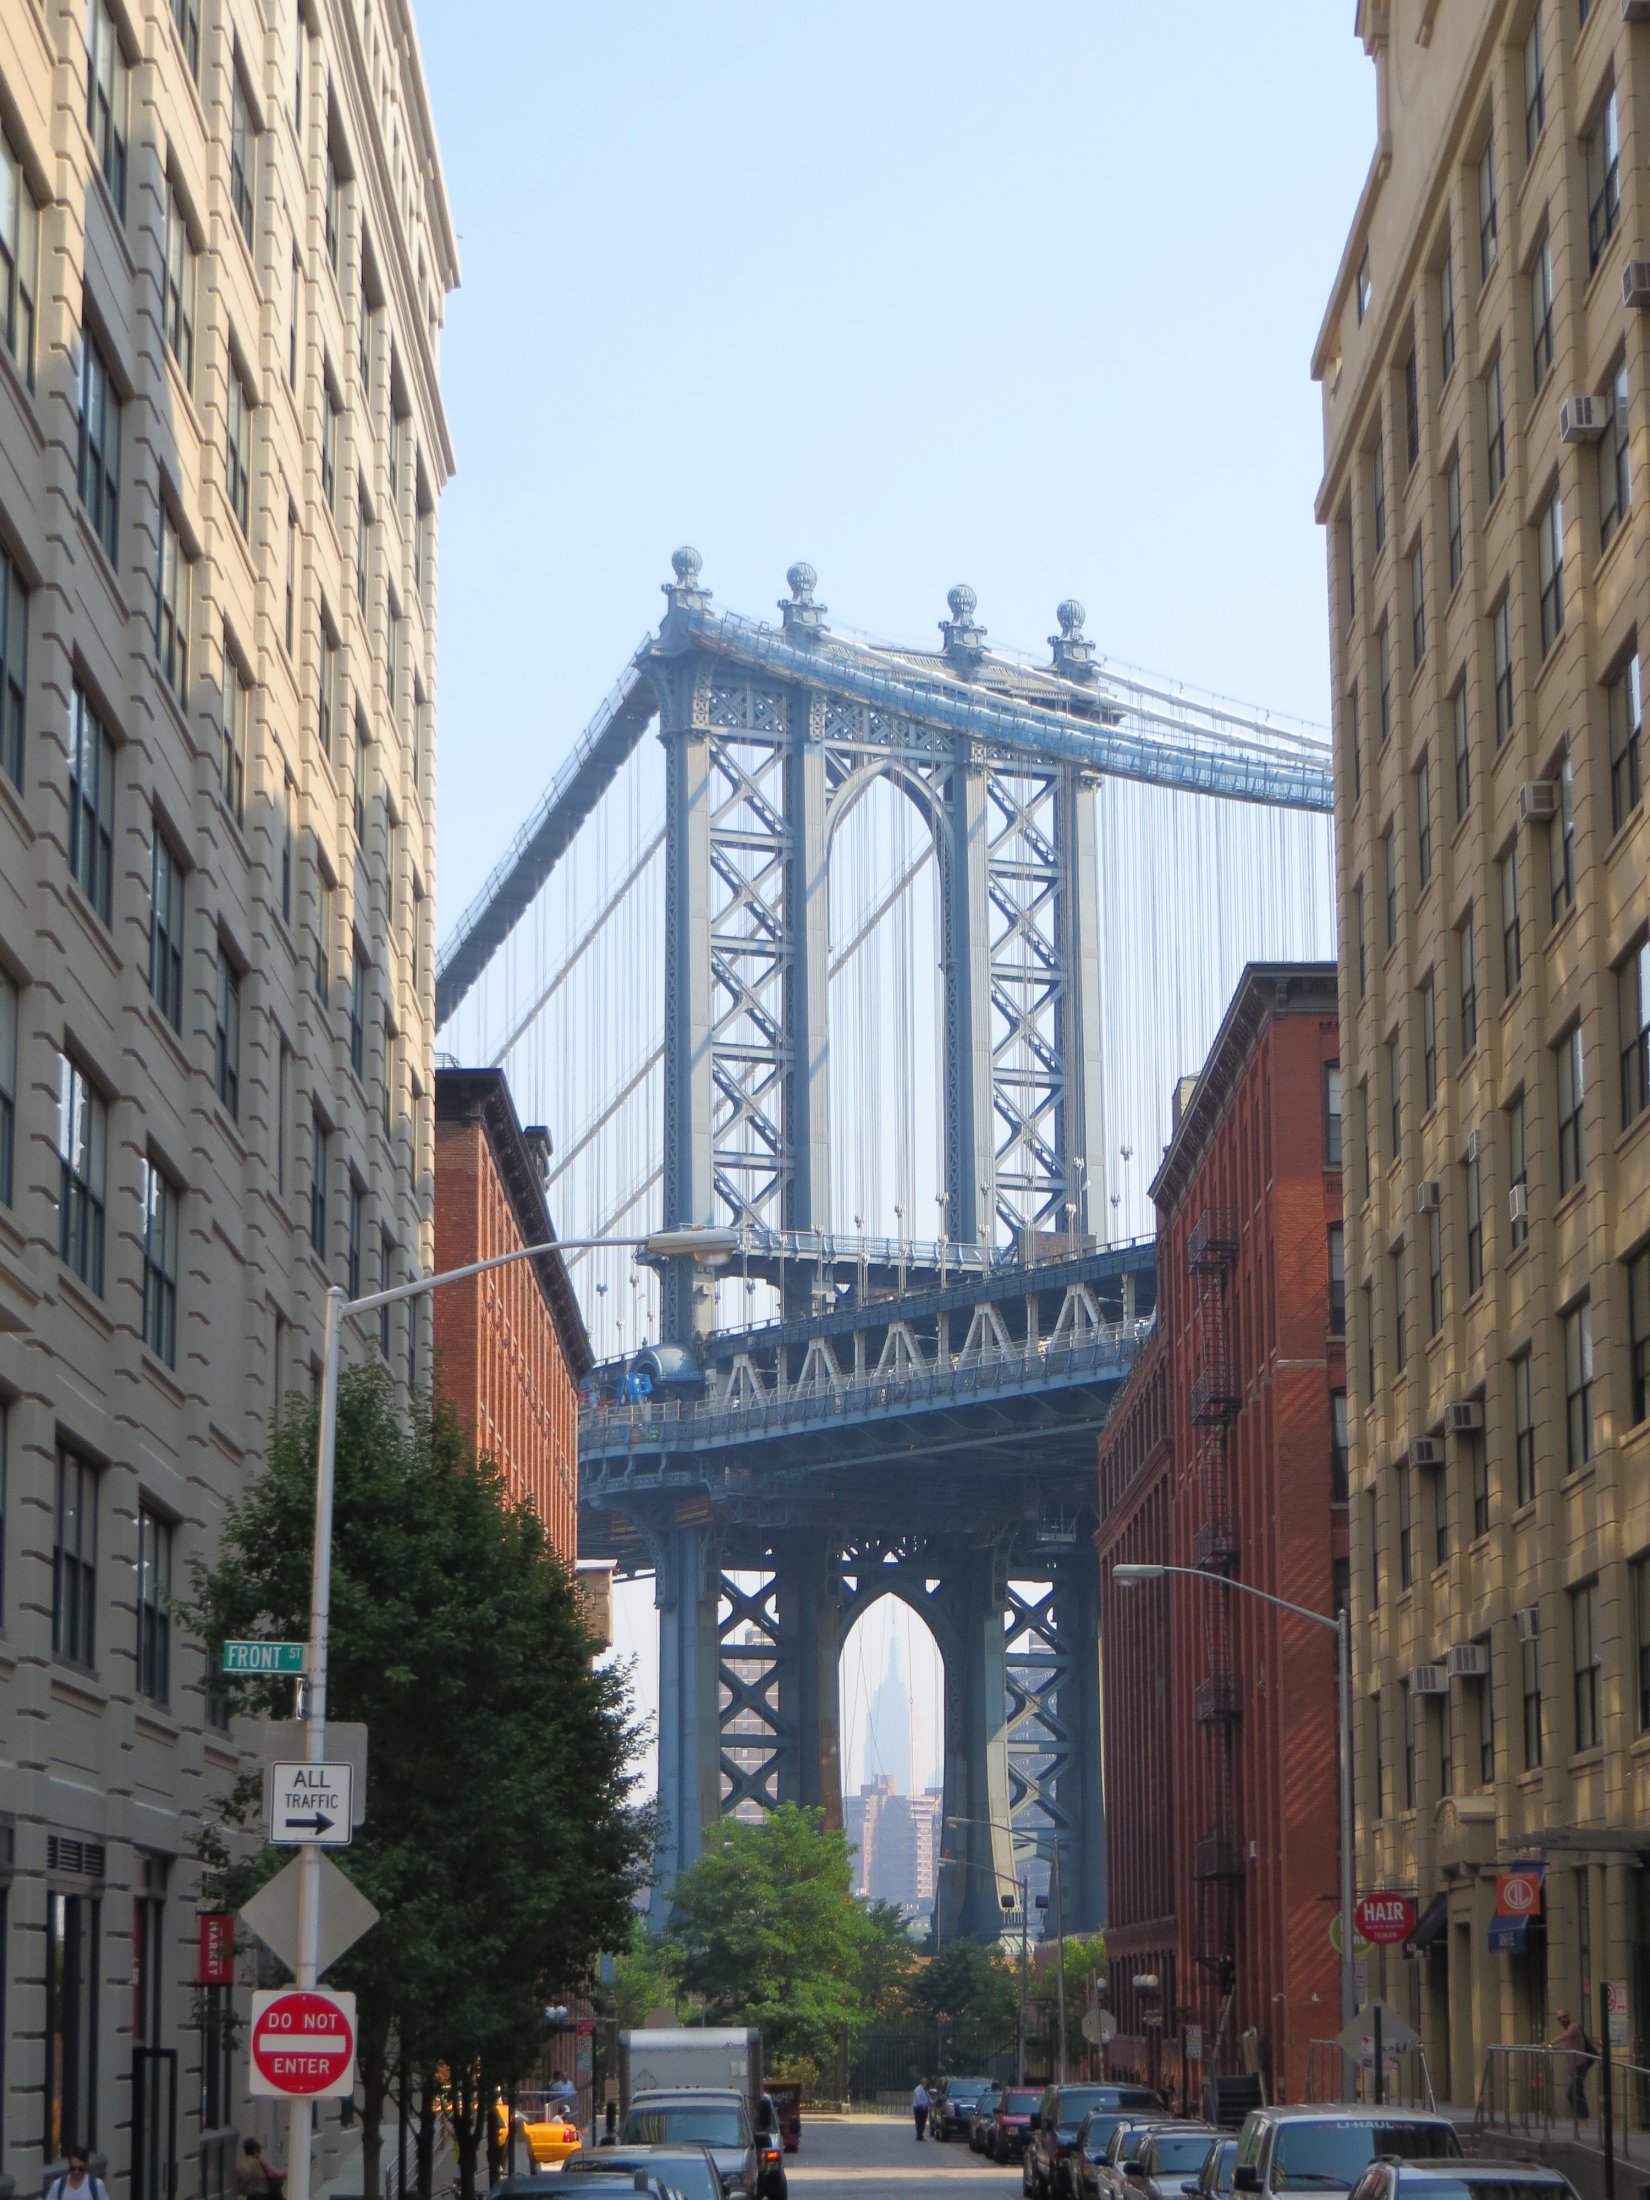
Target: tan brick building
(224,248)
(510,1347)
(1484,365)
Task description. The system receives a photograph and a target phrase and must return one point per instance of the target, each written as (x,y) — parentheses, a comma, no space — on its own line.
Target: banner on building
(1518,1892)
(216,1966)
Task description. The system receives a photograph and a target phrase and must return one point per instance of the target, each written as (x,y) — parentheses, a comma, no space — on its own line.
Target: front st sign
(303,2043)
(311,1804)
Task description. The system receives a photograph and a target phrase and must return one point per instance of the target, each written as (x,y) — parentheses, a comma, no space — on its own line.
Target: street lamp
(707,1244)
(1129,1574)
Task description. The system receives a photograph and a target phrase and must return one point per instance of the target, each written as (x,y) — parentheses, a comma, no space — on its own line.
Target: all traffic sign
(311,1803)
(303,2043)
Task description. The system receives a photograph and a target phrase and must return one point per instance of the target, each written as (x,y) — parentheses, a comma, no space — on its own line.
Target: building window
(172,607)
(323,943)
(1535,1738)
(289,622)
(360,788)
(91,804)
(1478,1461)
(1369,1347)
(1383,679)
(1641,1640)
(1501,649)
(1423,822)
(1377,490)
(327,684)
(1429,1042)
(14,639)
(352,1240)
(1578,1387)
(166,928)
(1524,1427)
(1633,1002)
(1406,1526)
(1411,1712)
(74,1561)
(1486,1729)
(1417,606)
(1603,150)
(1354,748)
(1615,468)
(1400,1308)
(1572,1091)
(1435,1273)
(1584,1638)
(1495,427)
(19,259)
(329,438)
(294,318)
(1452,517)
(1339,1449)
(1446,320)
(1389,862)
(1364,1127)
(82,1151)
(154,1607)
(1541,315)
(99,463)
(386,1273)
(73,1955)
(1395,1099)
(1535,86)
(319,1158)
(178,299)
(1512,952)
(363,527)
(1561,843)
(186,15)
(1362,938)
(1549,541)
(1518,1167)
(1473,1172)
(106,100)
(1638,1337)
(1624,709)
(287,849)
(357,1010)
(1463,749)
(1467,962)
(232,754)
(237,443)
(1332,1141)
(1488,228)
(8,1086)
(1337,1280)
(243,151)
(226,1034)
(160,1264)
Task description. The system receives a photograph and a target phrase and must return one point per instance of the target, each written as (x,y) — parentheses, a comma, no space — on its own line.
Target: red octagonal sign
(1385,1919)
(303,2042)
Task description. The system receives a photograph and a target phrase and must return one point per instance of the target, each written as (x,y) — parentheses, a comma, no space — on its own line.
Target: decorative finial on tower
(802,615)
(684,593)
(1073,651)
(964,636)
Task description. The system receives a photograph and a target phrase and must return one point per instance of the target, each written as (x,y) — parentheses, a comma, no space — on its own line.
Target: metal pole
(1020,2045)
(1343,1681)
(301,2114)
(1606,2104)
(1060,1955)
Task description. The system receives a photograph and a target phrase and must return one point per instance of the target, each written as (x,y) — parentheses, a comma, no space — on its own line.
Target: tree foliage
(501,1844)
(970,1994)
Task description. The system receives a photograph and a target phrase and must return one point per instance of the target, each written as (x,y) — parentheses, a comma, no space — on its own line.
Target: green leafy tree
(501,1845)
(887,1963)
(969,1994)
(1085,1963)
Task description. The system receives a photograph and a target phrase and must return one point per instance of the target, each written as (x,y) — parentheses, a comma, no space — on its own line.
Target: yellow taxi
(548,2127)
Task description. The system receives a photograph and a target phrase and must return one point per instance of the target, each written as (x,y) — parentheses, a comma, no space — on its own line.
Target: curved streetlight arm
(1131,1576)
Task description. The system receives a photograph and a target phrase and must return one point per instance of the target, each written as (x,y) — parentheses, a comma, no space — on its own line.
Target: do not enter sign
(303,2043)
(1385,1919)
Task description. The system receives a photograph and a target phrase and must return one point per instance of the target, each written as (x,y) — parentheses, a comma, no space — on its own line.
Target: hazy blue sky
(1018,294)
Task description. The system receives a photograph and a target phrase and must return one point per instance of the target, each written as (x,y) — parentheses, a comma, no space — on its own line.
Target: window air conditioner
(1528,1617)
(1427,1451)
(1537,798)
(1426,1196)
(1518,1203)
(1583,419)
(1464,1418)
(1475,1145)
(1635,283)
(1468,1661)
(1428,1680)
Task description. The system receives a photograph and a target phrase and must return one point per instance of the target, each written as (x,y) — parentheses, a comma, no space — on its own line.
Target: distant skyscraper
(888,1730)
(897,1840)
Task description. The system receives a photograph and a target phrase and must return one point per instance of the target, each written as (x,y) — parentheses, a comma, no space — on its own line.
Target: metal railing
(1527,2092)
(1408,2081)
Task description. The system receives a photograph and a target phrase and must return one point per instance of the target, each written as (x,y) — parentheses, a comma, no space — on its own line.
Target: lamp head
(1128,1575)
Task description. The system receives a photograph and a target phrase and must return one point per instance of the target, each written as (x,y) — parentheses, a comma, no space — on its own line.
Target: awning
(1432,1923)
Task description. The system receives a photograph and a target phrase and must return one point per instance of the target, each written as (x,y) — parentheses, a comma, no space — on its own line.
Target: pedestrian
(256,2179)
(921,2103)
(561,2088)
(1580,2054)
(79,2184)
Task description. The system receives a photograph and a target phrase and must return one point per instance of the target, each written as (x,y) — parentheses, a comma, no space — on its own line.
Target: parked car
(979,2129)
(545,2183)
(1475,2180)
(1077,2171)
(1214,2180)
(1325,2151)
(1111,2180)
(954,2109)
(720,2121)
(691,2171)
(1164,2157)
(1011,2124)
(1054,2133)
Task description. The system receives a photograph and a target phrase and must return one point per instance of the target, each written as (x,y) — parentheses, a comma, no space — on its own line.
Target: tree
(970,1995)
(887,1962)
(767,1930)
(501,1846)
(1085,1962)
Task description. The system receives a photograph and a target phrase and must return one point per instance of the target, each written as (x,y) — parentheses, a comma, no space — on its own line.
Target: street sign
(303,2043)
(346,1914)
(286,1742)
(265,1657)
(1360,1946)
(311,1803)
(1384,1919)
(1615,2011)
(1358,2039)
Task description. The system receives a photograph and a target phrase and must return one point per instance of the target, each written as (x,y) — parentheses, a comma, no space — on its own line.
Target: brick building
(1226,1452)
(511,1347)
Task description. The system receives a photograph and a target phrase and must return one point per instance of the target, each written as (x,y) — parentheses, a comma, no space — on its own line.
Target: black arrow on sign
(317,1824)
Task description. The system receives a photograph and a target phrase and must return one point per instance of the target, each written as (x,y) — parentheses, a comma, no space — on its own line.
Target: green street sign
(264,1657)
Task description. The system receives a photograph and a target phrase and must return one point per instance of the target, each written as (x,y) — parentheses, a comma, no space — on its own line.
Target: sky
(1022,295)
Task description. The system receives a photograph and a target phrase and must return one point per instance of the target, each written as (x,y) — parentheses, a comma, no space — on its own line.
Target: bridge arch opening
(887,1018)
(892,1680)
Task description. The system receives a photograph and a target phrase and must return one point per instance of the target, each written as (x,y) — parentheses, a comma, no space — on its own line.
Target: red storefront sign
(1385,1919)
(216,1964)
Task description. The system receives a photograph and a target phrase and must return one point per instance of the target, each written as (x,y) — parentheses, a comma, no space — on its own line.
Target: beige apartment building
(1484,368)
(224,249)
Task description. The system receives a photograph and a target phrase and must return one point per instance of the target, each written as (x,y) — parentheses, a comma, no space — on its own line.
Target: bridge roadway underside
(808,1483)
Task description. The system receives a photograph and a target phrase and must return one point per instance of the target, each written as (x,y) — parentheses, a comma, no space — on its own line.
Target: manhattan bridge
(888,959)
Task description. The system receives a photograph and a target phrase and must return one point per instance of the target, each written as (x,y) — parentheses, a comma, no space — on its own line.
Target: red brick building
(1226,1452)
(511,1348)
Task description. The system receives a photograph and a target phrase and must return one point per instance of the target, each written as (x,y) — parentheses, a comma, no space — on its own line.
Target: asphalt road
(876,2156)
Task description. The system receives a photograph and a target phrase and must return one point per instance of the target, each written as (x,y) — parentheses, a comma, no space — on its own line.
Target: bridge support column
(1083,1155)
(686,1579)
(806,1598)
(970,1148)
(1080,1791)
(689,1170)
(976,1753)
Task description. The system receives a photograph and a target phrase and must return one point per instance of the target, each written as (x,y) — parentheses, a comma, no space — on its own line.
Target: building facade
(224,248)
(1225,1455)
(896,1840)
(511,1349)
(1483,365)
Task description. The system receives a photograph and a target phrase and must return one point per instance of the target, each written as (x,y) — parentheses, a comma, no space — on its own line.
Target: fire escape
(1217,1856)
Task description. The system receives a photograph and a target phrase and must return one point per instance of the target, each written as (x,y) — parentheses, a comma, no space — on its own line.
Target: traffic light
(1227,1975)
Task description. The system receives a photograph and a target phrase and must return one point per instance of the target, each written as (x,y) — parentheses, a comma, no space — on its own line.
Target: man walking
(80,2184)
(1580,2053)
(921,2103)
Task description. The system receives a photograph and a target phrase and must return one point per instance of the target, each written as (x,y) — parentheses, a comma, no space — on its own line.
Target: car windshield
(955,2088)
(1182,2153)
(1020,2104)
(1319,2157)
(1100,2128)
(991,2096)
(706,2126)
(1073,2102)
